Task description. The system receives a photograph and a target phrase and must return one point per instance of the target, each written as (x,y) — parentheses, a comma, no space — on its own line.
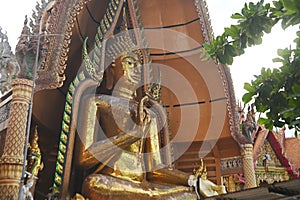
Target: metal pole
(30,110)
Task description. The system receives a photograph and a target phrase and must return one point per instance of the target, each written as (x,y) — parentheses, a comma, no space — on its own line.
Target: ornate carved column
(249,173)
(11,161)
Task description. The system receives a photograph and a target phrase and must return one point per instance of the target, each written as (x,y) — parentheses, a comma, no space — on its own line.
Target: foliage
(274,92)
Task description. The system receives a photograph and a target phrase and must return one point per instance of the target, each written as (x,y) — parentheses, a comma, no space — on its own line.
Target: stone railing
(231,163)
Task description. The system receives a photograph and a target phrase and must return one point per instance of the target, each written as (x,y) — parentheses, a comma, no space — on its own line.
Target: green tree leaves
(276,93)
(253,21)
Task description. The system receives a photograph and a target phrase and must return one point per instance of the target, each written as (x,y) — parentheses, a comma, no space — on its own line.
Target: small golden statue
(34,165)
(204,186)
(34,160)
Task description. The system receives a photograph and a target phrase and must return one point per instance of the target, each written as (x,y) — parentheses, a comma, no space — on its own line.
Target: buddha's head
(124,74)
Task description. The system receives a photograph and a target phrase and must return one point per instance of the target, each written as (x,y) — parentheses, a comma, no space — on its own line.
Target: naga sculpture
(248,125)
(8,64)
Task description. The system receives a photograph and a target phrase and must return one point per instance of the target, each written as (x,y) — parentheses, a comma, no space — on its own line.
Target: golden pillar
(249,173)
(11,162)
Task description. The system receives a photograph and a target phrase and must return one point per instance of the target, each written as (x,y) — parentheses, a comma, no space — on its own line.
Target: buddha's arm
(102,150)
(171,176)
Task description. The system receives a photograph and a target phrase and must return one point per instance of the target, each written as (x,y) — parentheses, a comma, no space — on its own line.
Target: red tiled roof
(292,149)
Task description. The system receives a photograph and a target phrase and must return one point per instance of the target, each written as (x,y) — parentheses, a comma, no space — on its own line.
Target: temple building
(111,100)
(272,163)
(276,169)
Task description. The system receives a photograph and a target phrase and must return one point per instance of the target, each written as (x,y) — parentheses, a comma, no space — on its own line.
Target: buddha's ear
(110,78)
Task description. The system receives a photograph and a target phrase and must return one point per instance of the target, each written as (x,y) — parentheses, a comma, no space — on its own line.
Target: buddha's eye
(129,63)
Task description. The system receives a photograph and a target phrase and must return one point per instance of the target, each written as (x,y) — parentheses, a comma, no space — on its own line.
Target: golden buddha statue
(122,154)
(126,160)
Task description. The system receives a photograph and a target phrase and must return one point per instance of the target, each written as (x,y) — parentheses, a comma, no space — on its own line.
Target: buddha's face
(128,68)
(131,68)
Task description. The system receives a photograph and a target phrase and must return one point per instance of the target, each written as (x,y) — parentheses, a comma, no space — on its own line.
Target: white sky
(12,15)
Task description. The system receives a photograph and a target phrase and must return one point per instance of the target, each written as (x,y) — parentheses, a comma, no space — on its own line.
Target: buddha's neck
(125,90)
